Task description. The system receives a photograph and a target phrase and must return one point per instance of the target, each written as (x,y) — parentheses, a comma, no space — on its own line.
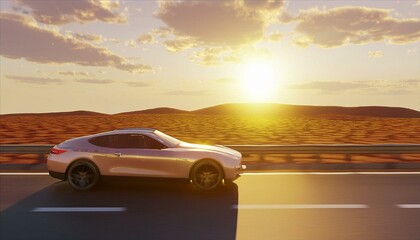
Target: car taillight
(57,151)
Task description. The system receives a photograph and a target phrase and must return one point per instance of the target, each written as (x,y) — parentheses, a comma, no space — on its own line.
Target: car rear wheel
(207,175)
(83,175)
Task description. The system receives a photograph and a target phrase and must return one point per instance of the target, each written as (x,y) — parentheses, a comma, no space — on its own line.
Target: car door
(140,155)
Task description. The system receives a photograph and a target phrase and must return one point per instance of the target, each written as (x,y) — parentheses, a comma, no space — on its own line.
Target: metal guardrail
(25,148)
(263,150)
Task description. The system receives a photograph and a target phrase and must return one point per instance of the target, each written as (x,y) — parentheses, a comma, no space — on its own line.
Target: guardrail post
(348,157)
(262,157)
(41,157)
(318,158)
(289,158)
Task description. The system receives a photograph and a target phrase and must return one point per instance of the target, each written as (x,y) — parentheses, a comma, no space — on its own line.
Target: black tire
(83,175)
(207,175)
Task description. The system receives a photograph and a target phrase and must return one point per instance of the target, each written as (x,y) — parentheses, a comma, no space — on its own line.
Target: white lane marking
(79,209)
(408,205)
(299,206)
(328,173)
(23,174)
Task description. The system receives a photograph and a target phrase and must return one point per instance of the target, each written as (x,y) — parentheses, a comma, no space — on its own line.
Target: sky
(119,56)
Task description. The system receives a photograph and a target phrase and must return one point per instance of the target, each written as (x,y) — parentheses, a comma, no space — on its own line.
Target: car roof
(135,130)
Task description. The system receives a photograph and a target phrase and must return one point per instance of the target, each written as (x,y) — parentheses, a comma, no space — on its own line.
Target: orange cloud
(209,56)
(35,80)
(130,43)
(187,93)
(331,86)
(179,44)
(353,25)
(89,37)
(161,32)
(409,86)
(21,38)
(95,81)
(275,37)
(138,84)
(219,30)
(75,73)
(227,22)
(58,12)
(147,38)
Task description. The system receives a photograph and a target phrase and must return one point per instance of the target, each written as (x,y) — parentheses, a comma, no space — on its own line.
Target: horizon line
(191,111)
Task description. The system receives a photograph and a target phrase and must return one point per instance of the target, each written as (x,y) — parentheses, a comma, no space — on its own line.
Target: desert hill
(57,114)
(301,110)
(260,109)
(161,110)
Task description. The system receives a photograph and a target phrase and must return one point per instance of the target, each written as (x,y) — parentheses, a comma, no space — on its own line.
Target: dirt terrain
(218,129)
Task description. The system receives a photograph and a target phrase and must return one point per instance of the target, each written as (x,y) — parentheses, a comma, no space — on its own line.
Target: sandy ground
(219,129)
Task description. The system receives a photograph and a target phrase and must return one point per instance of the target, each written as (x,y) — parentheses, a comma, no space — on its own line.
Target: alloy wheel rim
(82,176)
(207,176)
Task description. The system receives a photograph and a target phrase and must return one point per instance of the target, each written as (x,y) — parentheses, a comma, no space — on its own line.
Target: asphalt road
(266,205)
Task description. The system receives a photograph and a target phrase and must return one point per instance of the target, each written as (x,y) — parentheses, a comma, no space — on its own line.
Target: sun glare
(259,80)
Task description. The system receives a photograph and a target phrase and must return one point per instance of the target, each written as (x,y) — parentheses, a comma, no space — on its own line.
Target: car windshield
(173,141)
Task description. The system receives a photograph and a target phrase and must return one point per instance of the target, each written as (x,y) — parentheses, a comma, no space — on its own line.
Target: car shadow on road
(151,211)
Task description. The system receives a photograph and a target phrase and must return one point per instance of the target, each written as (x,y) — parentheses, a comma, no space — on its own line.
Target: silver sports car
(141,152)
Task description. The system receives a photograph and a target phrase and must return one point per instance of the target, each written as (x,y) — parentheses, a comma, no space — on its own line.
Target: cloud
(226,80)
(413,81)
(353,25)
(274,37)
(147,38)
(286,17)
(75,73)
(228,22)
(374,86)
(161,32)
(139,84)
(35,80)
(113,40)
(21,38)
(218,31)
(89,37)
(187,93)
(329,86)
(95,81)
(211,56)
(130,43)
(375,54)
(180,44)
(412,50)
(58,12)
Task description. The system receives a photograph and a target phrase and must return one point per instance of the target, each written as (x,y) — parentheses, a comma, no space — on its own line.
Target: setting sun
(259,80)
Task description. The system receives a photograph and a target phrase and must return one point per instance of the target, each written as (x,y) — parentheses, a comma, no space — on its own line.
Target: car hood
(216,148)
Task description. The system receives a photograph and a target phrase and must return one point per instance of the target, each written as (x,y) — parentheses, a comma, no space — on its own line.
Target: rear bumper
(57,175)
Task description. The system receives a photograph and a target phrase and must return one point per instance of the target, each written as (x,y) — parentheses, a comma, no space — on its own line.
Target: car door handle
(118,154)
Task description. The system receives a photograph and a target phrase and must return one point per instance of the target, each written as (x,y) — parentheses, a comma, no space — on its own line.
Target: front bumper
(240,168)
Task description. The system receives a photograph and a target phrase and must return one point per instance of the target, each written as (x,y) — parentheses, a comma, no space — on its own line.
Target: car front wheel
(207,175)
(83,175)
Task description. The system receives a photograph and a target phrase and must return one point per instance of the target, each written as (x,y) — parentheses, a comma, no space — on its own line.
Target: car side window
(153,144)
(102,141)
(127,141)
(111,141)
